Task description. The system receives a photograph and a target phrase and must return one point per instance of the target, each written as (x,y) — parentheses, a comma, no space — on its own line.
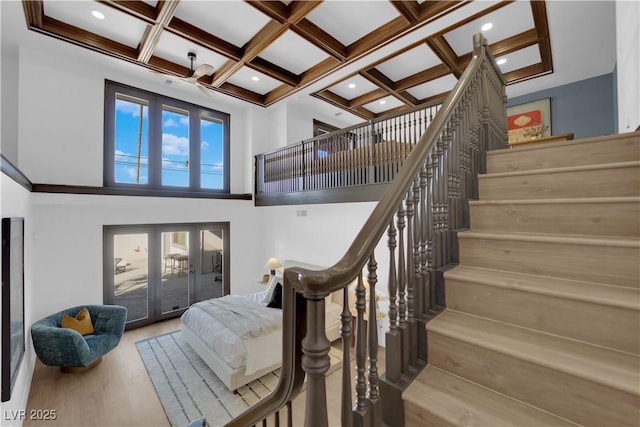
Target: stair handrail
(314,285)
(320,283)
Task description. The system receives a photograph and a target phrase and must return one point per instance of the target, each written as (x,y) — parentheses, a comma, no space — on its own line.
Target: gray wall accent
(586,108)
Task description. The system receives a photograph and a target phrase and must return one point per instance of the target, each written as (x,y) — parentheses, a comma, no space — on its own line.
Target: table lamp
(272,264)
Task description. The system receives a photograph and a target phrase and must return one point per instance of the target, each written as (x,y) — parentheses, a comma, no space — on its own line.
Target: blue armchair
(57,346)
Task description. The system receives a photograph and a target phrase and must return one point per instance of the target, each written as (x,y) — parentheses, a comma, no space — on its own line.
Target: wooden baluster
(346,334)
(402,286)
(360,412)
(393,340)
(374,392)
(411,320)
(316,362)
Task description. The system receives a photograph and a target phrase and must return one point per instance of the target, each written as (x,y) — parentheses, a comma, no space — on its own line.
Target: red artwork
(527,119)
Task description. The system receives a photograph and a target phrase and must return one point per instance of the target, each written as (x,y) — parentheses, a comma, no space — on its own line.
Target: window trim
(156,102)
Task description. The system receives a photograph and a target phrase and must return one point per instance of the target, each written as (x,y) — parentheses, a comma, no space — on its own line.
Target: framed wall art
(531,120)
(13,345)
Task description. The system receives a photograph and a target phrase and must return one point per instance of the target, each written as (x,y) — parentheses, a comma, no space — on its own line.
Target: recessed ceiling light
(255,78)
(487,26)
(98,15)
(352,85)
(501,61)
(383,102)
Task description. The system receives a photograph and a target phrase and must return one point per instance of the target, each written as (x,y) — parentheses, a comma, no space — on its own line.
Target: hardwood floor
(116,393)
(119,393)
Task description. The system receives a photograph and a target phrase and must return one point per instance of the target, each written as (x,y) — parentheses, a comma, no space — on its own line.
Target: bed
(239,348)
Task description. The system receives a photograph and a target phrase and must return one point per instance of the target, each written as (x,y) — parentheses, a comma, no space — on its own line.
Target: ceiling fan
(193,75)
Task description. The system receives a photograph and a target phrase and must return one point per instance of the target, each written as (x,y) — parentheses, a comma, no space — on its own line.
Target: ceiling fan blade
(167,75)
(202,70)
(204,89)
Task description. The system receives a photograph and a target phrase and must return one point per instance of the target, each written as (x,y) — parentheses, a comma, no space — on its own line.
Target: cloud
(128,107)
(170,123)
(204,145)
(176,145)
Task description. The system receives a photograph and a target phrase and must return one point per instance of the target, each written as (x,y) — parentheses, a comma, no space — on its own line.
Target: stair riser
(560,155)
(534,384)
(599,324)
(605,182)
(611,265)
(605,219)
(415,416)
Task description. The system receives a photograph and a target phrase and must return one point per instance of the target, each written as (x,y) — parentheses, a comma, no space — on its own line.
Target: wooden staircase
(542,326)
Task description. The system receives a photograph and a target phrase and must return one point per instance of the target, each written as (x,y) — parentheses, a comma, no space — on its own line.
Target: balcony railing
(368,153)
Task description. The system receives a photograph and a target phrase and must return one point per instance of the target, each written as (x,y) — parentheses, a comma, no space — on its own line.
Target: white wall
(321,237)
(61,114)
(9,102)
(628,64)
(15,202)
(68,241)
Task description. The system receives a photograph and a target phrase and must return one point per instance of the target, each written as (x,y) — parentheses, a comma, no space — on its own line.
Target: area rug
(189,390)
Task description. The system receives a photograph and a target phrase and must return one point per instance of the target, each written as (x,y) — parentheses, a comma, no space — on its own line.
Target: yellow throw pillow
(81,323)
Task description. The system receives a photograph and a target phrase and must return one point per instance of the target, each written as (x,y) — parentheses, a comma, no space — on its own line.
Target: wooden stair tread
(616,296)
(631,136)
(461,402)
(611,368)
(549,171)
(577,200)
(616,241)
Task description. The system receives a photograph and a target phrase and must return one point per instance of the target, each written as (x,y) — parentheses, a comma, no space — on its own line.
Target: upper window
(156,142)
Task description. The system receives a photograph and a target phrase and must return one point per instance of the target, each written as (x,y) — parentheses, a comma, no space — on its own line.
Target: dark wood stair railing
(421,211)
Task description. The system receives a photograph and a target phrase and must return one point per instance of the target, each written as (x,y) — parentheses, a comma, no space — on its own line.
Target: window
(155,142)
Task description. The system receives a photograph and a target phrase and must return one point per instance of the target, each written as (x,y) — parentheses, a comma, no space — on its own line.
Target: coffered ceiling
(264,51)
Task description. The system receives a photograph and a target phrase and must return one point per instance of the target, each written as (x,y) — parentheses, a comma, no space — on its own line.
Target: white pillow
(271,286)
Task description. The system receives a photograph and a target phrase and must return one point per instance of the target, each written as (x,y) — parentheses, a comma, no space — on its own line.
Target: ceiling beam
(84,38)
(340,102)
(447,55)
(204,39)
(165,11)
(321,39)
(539,10)
(134,8)
(525,73)
(410,10)
(33,13)
(273,9)
(298,10)
(273,70)
(368,97)
(379,79)
(422,77)
(227,70)
(242,93)
(376,38)
(262,39)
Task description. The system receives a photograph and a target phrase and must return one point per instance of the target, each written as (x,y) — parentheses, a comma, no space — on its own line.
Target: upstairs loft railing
(420,213)
(367,153)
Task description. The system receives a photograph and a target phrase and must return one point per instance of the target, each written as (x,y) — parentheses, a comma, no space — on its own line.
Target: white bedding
(254,351)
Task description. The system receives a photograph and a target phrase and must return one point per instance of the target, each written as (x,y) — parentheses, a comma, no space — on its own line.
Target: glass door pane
(131,274)
(210,272)
(176,271)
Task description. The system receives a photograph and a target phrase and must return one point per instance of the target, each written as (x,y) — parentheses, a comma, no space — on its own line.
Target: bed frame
(232,378)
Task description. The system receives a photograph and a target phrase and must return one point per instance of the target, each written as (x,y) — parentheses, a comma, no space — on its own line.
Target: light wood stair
(542,325)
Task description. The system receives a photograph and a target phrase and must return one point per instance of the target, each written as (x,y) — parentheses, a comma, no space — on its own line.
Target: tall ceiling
(366,57)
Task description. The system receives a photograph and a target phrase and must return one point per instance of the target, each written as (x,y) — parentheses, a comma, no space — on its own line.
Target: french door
(157,271)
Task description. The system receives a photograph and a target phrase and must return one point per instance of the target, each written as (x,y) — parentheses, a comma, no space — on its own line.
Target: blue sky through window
(175,146)
(127,145)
